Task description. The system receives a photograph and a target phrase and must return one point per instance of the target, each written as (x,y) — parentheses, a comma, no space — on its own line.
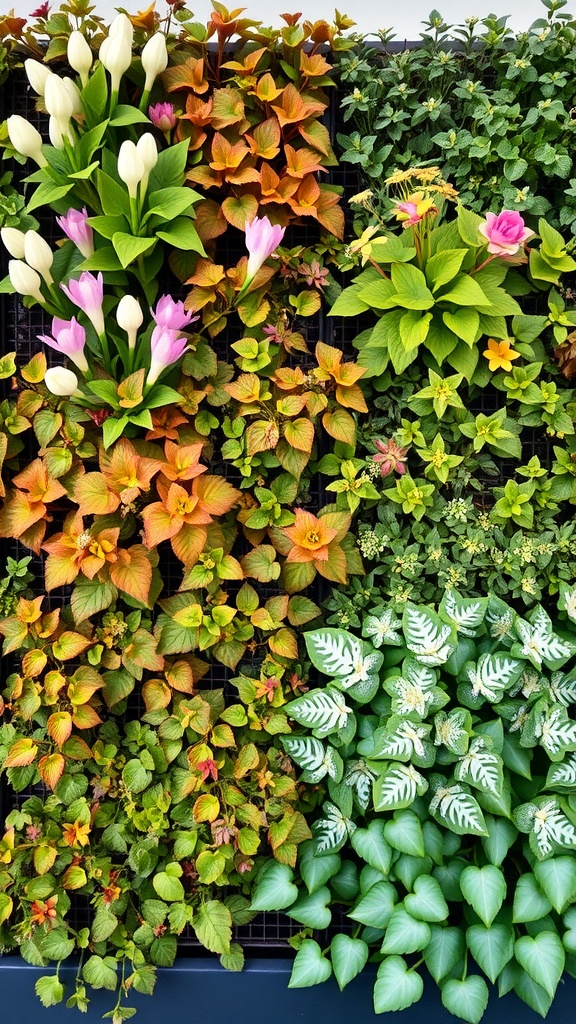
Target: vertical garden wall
(288,484)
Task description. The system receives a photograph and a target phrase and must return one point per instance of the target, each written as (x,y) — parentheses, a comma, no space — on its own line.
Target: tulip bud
(154,59)
(38,255)
(79,55)
(25,280)
(55,133)
(37,74)
(121,26)
(26,139)
(57,99)
(129,317)
(74,94)
(14,241)
(116,51)
(61,382)
(148,152)
(131,167)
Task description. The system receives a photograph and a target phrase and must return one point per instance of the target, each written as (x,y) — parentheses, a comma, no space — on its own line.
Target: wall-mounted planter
(201,990)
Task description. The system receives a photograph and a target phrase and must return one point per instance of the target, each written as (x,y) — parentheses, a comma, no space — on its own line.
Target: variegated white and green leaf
(556,733)
(333,651)
(530,684)
(481,768)
(316,760)
(406,739)
(453,730)
(562,775)
(500,619)
(360,778)
(331,831)
(466,614)
(398,787)
(547,826)
(383,629)
(563,688)
(540,645)
(323,711)
(567,602)
(427,637)
(493,674)
(457,809)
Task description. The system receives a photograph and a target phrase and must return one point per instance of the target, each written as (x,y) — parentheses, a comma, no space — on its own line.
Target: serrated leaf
(213,926)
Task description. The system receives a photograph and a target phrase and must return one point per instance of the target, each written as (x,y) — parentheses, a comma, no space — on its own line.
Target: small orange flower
(44,911)
(75,834)
(310,537)
(500,355)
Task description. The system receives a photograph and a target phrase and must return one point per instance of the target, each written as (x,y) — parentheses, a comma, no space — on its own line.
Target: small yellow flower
(75,833)
(500,355)
(363,245)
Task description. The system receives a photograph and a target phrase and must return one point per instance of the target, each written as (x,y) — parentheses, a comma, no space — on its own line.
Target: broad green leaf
(312,910)
(349,957)
(530,903)
(484,889)
(443,267)
(275,889)
(371,845)
(168,887)
(412,292)
(100,972)
(445,949)
(467,999)
(542,957)
(316,871)
(376,907)
(404,833)
(501,835)
(310,966)
(404,934)
(426,902)
(397,986)
(491,948)
(49,990)
(213,926)
(464,291)
(557,879)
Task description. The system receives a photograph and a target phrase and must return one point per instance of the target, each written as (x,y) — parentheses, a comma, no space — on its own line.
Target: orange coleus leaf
(21,753)
(226,156)
(29,611)
(51,767)
(147,20)
(33,536)
(266,89)
(249,64)
(69,645)
(284,643)
(228,109)
(291,405)
(274,189)
(305,198)
(245,389)
(130,390)
(59,726)
(77,749)
(240,210)
(182,461)
(183,505)
(165,423)
(334,568)
(33,663)
(86,717)
(209,220)
(264,140)
(314,65)
(299,434)
(188,75)
(83,685)
(261,436)
(295,106)
(316,402)
(289,378)
(340,425)
(310,537)
(126,472)
(205,176)
(330,360)
(180,677)
(318,137)
(339,521)
(93,495)
(49,623)
(157,694)
(132,573)
(244,174)
(351,397)
(207,274)
(159,525)
(329,213)
(39,485)
(300,162)
(215,495)
(19,514)
(189,543)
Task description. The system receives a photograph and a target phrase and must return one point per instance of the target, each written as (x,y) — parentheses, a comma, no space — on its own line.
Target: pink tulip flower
(69,338)
(162,116)
(88,294)
(78,231)
(166,347)
(171,314)
(505,232)
(262,238)
(390,457)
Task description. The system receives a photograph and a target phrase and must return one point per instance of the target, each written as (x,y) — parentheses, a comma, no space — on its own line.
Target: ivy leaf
(467,999)
(426,902)
(404,934)
(376,907)
(445,949)
(491,947)
(484,889)
(542,957)
(310,966)
(349,957)
(397,986)
(275,889)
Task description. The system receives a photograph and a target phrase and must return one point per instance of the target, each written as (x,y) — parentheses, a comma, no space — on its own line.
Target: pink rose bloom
(166,347)
(505,232)
(68,338)
(162,116)
(78,231)
(390,457)
(171,314)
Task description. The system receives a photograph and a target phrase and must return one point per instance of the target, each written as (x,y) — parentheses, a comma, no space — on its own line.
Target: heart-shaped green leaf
(491,948)
(404,934)
(311,909)
(371,845)
(376,907)
(275,889)
(467,999)
(542,957)
(348,957)
(557,878)
(569,937)
(404,833)
(444,950)
(484,889)
(396,986)
(530,903)
(426,903)
(316,870)
(310,967)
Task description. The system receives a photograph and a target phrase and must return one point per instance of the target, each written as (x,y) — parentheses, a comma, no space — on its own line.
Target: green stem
(134,215)
(105,349)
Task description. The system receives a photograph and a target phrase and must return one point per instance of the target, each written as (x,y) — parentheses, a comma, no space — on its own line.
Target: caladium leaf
(318,761)
(547,826)
(338,654)
(359,776)
(323,711)
(430,640)
(455,808)
(466,614)
(398,787)
(562,776)
(556,733)
(539,644)
(481,768)
(331,832)
(492,674)
(383,629)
